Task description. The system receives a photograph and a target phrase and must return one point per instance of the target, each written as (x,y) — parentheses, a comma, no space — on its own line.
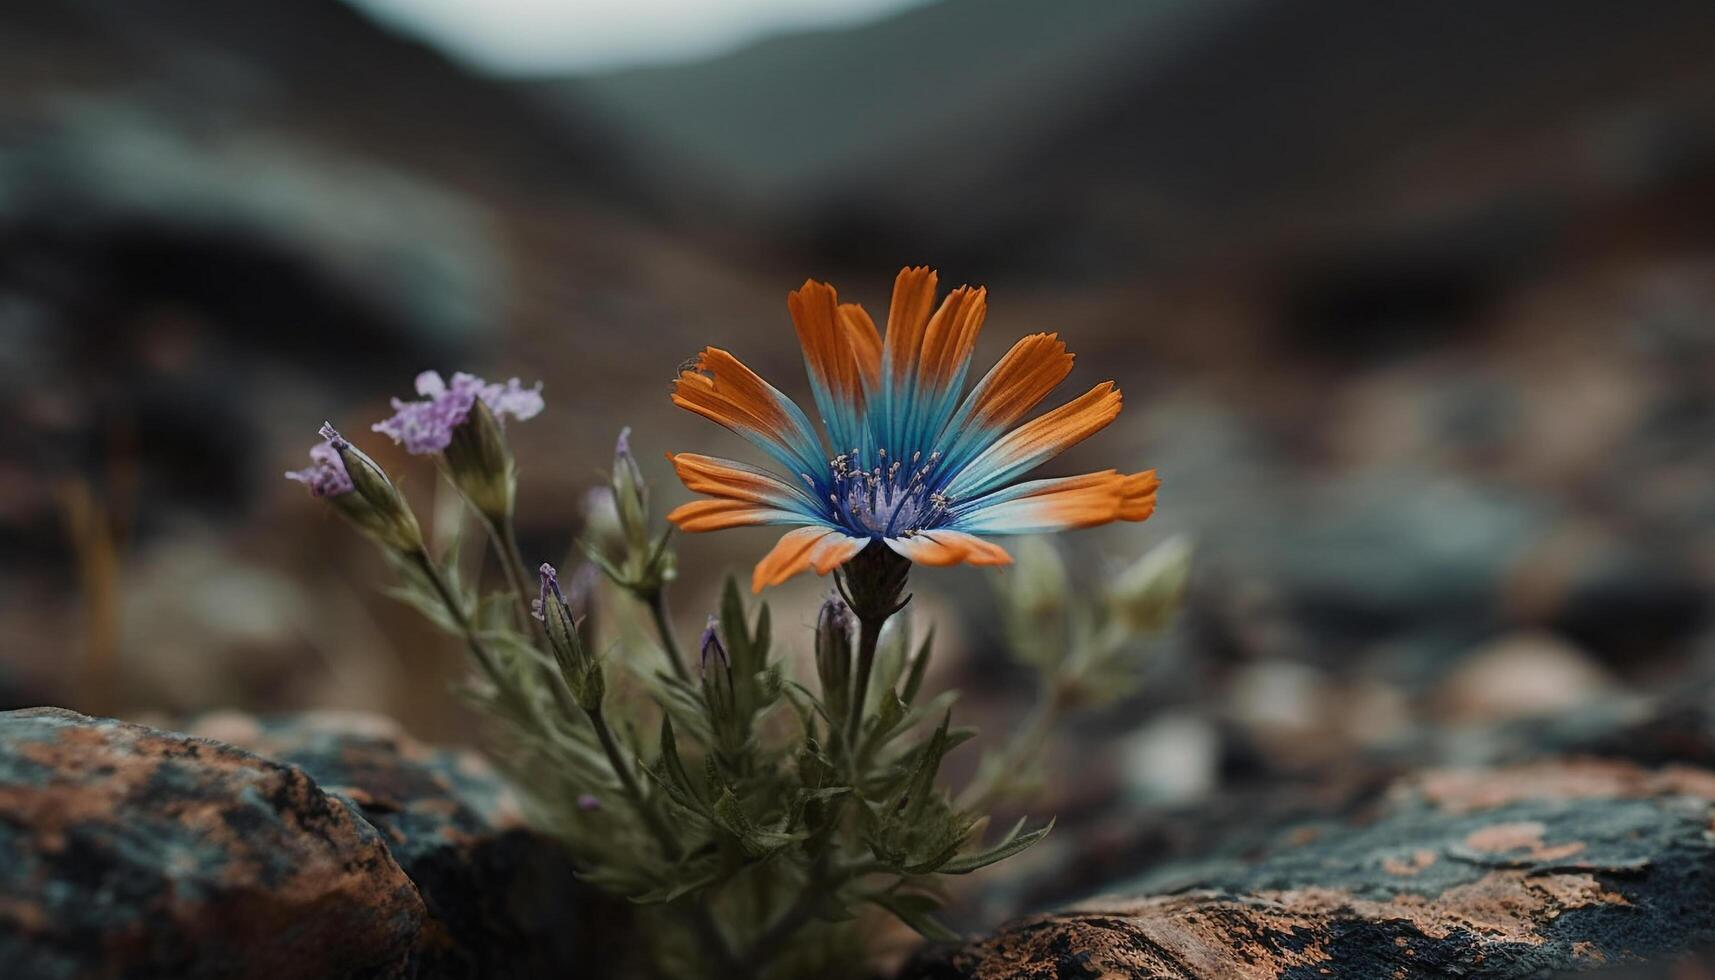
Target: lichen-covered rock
(503,901)
(128,852)
(1500,873)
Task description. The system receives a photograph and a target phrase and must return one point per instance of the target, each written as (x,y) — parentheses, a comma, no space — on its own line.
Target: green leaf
(757,842)
(763,636)
(426,602)
(1011,844)
(921,786)
(678,780)
(919,666)
(913,909)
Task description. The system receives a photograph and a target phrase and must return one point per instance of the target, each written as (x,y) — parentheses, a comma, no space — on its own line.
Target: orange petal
(800,549)
(734,481)
(1039,440)
(1063,504)
(717,515)
(913,297)
(943,547)
(1019,381)
(865,341)
(830,349)
(723,390)
(950,337)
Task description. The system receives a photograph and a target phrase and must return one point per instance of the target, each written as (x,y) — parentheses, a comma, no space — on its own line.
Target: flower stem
(505,537)
(869,634)
(633,791)
(484,659)
(656,600)
(698,915)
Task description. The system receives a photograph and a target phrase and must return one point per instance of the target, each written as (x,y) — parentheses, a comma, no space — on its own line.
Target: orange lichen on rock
(1468,791)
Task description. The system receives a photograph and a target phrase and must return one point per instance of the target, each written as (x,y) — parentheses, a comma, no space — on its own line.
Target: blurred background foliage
(1414,307)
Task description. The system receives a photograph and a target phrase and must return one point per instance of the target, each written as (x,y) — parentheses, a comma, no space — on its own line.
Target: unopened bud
(1038,583)
(630,494)
(375,506)
(557,621)
(716,666)
(1145,596)
(834,658)
(479,462)
(581,672)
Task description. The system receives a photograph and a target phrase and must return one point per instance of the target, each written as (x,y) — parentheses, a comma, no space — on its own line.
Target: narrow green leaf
(919,666)
(1012,844)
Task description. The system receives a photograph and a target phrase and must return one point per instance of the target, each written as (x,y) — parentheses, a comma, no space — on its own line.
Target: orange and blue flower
(911,460)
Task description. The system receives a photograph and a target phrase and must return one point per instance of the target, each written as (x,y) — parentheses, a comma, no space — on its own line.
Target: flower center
(893,498)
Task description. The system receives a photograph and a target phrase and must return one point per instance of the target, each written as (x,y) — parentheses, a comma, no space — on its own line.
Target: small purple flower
(589,802)
(426,426)
(622,445)
(326,475)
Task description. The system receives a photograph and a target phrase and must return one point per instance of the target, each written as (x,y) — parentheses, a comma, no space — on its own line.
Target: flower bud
(834,658)
(480,464)
(630,494)
(374,503)
(718,692)
(1145,596)
(617,529)
(592,688)
(556,615)
(601,523)
(582,674)
(1038,583)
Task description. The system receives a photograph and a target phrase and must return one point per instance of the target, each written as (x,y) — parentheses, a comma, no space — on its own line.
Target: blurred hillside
(1413,310)
(1096,137)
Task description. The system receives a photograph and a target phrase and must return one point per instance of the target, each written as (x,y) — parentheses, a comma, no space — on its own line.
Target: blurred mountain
(1098,131)
(211,199)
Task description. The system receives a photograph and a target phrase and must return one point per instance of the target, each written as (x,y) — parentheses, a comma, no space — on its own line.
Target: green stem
(699,918)
(512,564)
(869,633)
(772,941)
(633,791)
(657,603)
(484,659)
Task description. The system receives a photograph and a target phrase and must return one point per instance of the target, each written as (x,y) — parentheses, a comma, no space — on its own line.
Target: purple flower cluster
(426,426)
(326,475)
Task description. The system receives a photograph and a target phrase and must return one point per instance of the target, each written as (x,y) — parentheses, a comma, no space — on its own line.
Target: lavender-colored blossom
(622,445)
(326,475)
(426,426)
(589,802)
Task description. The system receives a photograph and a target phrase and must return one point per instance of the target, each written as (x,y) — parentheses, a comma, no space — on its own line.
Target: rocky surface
(315,845)
(1520,871)
(131,852)
(502,900)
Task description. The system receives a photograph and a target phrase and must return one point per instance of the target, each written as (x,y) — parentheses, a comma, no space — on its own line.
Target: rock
(130,852)
(1559,865)
(502,900)
(1521,675)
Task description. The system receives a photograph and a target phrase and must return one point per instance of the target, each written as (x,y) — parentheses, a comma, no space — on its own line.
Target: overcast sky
(516,37)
